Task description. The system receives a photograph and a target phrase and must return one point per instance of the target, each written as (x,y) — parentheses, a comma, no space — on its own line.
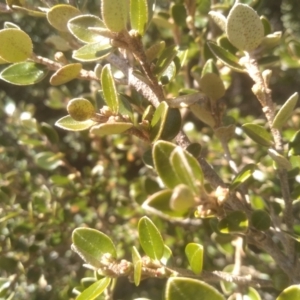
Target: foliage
(144,84)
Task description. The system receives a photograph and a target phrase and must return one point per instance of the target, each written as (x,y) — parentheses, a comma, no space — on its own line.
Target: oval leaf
(242,176)
(139,15)
(24,73)
(59,15)
(91,245)
(285,111)
(114,14)
(244,28)
(110,128)
(194,253)
(234,222)
(65,74)
(150,239)
(261,220)
(212,85)
(93,51)
(109,89)
(48,160)
(137,265)
(226,57)
(290,293)
(15,46)
(219,19)
(281,161)
(187,169)
(161,156)
(79,27)
(182,198)
(68,123)
(94,290)
(190,289)
(258,134)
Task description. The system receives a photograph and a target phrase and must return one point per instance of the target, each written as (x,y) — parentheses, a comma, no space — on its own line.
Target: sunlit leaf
(94,290)
(194,253)
(110,128)
(234,222)
(137,265)
(139,15)
(243,175)
(68,123)
(66,74)
(258,134)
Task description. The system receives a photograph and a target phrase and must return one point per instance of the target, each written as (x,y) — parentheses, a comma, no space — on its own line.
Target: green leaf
(194,149)
(91,245)
(139,15)
(59,15)
(281,161)
(137,265)
(234,222)
(182,198)
(226,57)
(187,169)
(110,128)
(155,50)
(80,109)
(290,293)
(114,14)
(243,176)
(258,134)
(161,156)
(94,51)
(294,144)
(252,294)
(68,123)
(150,239)
(48,160)
(24,73)
(165,59)
(109,89)
(261,220)
(66,74)
(190,289)
(159,204)
(94,290)
(79,27)
(285,111)
(266,24)
(166,122)
(212,85)
(194,253)
(49,132)
(244,28)
(178,12)
(15,46)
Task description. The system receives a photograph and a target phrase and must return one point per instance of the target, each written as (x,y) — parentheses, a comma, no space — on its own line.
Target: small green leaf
(110,128)
(161,156)
(182,198)
(226,57)
(109,89)
(79,27)
(139,15)
(190,289)
(244,28)
(16,45)
(49,132)
(252,294)
(94,51)
(212,85)
(48,160)
(294,144)
(285,111)
(114,14)
(59,15)
(234,222)
(68,123)
(290,293)
(261,220)
(194,253)
(194,149)
(281,161)
(178,12)
(94,290)
(165,59)
(258,134)
(159,204)
(24,73)
(150,239)
(266,24)
(66,74)
(155,50)
(187,169)
(209,67)
(243,176)
(137,265)
(91,245)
